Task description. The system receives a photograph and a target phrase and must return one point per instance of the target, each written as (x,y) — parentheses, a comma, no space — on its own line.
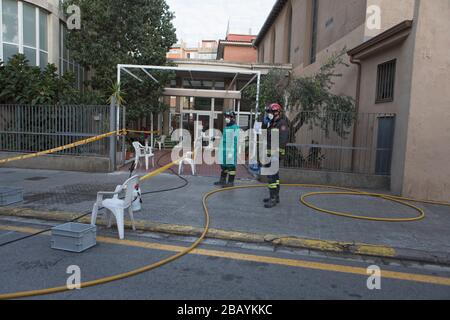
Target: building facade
(37,28)
(176,52)
(237,48)
(206,50)
(398,66)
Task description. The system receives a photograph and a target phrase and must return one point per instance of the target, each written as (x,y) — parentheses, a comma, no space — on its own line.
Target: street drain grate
(36,178)
(69,194)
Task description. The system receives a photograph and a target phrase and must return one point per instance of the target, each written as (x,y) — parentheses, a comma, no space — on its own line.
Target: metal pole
(257,111)
(160,123)
(213,113)
(118,107)
(112,139)
(257,94)
(124,109)
(238,112)
(151,129)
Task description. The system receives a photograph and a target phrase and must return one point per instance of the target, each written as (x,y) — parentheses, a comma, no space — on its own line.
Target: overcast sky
(208,19)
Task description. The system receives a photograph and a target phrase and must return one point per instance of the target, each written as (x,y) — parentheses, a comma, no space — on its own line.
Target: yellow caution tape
(62,148)
(137,131)
(74,145)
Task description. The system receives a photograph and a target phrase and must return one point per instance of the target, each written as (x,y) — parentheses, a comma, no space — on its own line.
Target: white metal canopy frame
(249,75)
(196,72)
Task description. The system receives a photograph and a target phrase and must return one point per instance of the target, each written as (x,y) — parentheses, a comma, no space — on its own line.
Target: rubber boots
(268,199)
(230,183)
(223,180)
(277,196)
(272,202)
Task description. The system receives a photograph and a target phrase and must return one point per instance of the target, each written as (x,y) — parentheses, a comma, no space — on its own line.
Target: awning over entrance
(141,72)
(193,86)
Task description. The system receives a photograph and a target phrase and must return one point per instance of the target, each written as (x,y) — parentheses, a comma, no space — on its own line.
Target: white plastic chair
(210,140)
(210,145)
(142,152)
(116,206)
(189,160)
(161,142)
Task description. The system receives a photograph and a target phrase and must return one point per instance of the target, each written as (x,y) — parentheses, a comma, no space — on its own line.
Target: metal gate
(27,128)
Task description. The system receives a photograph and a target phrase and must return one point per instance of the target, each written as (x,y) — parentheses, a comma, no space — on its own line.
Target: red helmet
(275,108)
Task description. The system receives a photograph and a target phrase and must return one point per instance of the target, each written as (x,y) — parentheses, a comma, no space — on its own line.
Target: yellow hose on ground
(353,216)
(150,267)
(351,192)
(27,294)
(153,266)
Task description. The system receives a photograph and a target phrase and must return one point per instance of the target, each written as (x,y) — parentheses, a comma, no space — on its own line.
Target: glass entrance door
(192,118)
(203,119)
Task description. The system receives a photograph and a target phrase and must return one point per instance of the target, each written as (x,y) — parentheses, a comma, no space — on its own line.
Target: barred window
(386,81)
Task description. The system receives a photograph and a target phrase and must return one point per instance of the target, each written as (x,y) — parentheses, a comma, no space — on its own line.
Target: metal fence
(26,128)
(341,142)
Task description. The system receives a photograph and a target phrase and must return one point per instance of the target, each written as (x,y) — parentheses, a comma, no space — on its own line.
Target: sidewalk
(242,212)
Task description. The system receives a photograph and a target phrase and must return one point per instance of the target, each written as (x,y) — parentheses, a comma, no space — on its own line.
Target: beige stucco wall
(49,5)
(298,31)
(280,30)
(340,24)
(342,16)
(346,30)
(400,106)
(392,13)
(347,83)
(420,166)
(337,19)
(427,168)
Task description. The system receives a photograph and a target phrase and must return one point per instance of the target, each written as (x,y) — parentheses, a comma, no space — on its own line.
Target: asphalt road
(221,270)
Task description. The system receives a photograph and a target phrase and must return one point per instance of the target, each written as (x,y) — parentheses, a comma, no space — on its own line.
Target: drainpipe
(357,100)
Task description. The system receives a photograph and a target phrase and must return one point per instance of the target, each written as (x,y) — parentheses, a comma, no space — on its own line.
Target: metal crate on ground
(9,195)
(74,237)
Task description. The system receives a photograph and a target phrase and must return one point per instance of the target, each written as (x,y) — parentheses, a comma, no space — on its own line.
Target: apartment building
(206,50)
(399,65)
(177,51)
(37,28)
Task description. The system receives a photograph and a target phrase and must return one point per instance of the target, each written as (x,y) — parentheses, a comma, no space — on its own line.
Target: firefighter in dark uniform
(279,124)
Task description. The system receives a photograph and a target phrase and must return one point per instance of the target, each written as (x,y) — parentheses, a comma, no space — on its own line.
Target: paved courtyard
(240,210)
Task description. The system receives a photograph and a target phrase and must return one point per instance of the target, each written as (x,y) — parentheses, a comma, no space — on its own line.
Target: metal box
(10,195)
(74,237)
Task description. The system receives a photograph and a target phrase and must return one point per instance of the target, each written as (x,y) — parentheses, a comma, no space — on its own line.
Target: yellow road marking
(261,259)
